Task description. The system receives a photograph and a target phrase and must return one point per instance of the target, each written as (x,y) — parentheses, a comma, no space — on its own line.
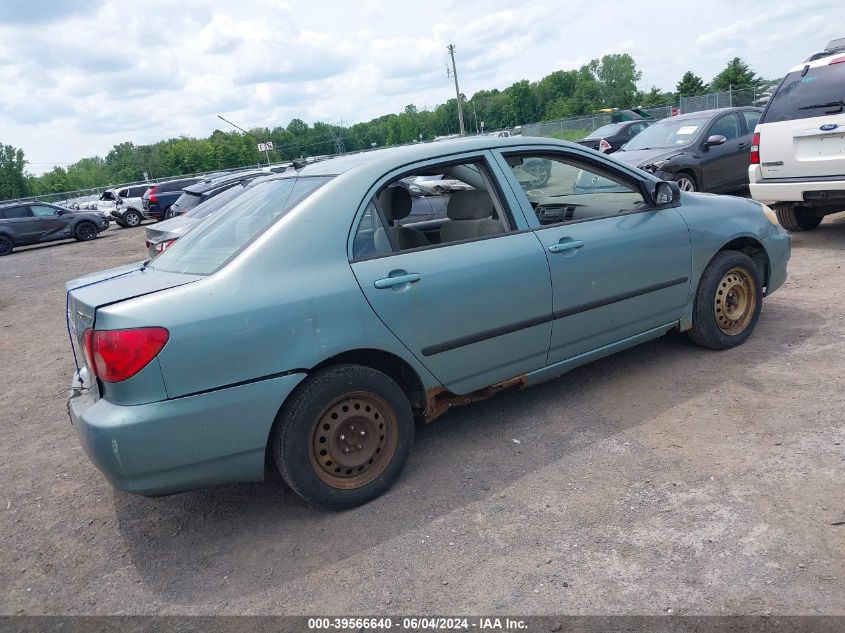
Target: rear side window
(819,91)
(208,247)
(137,192)
(14,212)
(751,119)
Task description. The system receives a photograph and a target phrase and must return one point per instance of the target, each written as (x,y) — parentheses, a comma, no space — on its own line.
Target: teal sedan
(315,318)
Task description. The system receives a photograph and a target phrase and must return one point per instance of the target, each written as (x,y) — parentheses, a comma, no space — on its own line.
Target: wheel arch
(388,363)
(754,249)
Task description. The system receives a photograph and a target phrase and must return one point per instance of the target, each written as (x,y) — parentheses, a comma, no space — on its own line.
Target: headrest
(469,205)
(395,202)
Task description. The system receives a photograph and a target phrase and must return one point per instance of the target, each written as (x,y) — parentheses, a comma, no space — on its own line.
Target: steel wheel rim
(735,301)
(685,184)
(353,440)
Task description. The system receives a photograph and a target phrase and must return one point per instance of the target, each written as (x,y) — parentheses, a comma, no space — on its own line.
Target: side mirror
(716,139)
(666,193)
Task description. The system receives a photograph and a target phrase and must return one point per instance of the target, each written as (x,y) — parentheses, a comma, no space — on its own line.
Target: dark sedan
(701,151)
(27,223)
(610,138)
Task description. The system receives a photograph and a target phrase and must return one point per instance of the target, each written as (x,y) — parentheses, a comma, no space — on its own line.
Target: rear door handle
(562,247)
(398,280)
(742,146)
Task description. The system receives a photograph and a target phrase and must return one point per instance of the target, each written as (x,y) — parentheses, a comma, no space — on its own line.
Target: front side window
(215,241)
(436,206)
(562,190)
(43,212)
(727,126)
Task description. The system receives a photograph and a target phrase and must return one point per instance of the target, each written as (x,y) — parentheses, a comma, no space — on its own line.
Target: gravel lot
(666,477)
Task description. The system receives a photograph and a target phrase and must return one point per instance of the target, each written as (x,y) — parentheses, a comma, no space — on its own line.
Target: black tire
(795,218)
(168,214)
(685,181)
(131,219)
(85,231)
(298,433)
(120,223)
(6,245)
(712,329)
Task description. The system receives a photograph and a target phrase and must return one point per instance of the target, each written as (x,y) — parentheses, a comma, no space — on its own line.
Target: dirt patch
(665,477)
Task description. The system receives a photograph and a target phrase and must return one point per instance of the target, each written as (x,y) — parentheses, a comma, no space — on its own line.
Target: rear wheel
(685,182)
(795,218)
(6,245)
(728,301)
(85,231)
(344,436)
(169,214)
(131,218)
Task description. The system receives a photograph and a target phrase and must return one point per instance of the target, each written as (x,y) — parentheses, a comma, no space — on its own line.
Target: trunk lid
(86,294)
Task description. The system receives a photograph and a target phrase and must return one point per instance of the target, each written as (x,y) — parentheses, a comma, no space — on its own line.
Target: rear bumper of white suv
(772,191)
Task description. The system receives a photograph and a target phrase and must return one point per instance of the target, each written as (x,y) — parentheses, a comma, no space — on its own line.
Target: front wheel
(728,301)
(344,436)
(685,182)
(794,218)
(85,231)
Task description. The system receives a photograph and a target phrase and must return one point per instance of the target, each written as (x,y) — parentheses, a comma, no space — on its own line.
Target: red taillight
(163,246)
(115,355)
(836,60)
(755,148)
(603,145)
(152,196)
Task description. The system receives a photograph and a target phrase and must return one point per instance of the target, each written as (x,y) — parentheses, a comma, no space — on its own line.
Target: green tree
(737,75)
(618,76)
(690,85)
(13,183)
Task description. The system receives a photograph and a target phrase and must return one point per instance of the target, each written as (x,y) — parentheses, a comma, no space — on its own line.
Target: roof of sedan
(394,156)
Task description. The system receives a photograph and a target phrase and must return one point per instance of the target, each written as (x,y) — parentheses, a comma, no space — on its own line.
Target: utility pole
(451,49)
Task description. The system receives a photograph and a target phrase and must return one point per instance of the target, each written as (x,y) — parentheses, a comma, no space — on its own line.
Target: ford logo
(829,127)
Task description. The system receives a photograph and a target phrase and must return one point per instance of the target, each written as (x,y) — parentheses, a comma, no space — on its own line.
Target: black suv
(158,198)
(208,188)
(35,222)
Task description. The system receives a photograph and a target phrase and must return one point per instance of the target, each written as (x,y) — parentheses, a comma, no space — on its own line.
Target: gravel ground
(664,478)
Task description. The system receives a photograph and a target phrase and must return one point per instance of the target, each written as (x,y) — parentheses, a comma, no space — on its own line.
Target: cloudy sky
(79,76)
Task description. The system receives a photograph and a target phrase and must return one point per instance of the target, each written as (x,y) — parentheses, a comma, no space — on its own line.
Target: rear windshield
(213,203)
(820,91)
(667,133)
(187,201)
(222,236)
(605,130)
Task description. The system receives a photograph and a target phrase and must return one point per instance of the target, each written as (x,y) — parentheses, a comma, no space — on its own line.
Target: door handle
(742,146)
(562,247)
(398,280)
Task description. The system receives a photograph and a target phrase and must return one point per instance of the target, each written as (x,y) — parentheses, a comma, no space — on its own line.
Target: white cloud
(91,73)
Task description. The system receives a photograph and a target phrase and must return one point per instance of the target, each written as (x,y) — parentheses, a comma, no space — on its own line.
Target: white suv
(798,148)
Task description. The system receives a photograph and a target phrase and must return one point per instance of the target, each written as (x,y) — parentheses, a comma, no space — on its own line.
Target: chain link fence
(575,128)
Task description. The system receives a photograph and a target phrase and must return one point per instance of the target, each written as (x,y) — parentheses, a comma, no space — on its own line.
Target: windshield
(214,242)
(667,133)
(820,91)
(605,130)
(186,201)
(210,205)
